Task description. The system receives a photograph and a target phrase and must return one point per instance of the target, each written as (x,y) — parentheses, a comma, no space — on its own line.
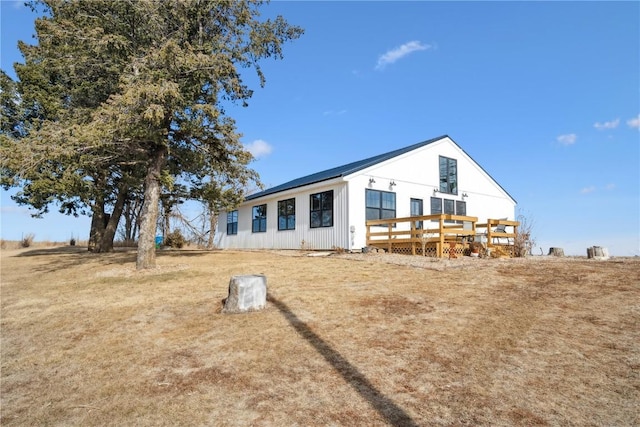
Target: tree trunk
(597,252)
(97,225)
(213,223)
(98,221)
(149,215)
(106,242)
(131,218)
(556,252)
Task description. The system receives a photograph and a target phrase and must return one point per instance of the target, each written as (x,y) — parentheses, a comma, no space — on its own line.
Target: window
(436,206)
(380,204)
(449,207)
(259,219)
(287,214)
(232,222)
(416,210)
(322,209)
(448,175)
(461,209)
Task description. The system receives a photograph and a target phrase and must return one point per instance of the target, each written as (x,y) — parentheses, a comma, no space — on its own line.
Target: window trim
(325,196)
(261,220)
(287,216)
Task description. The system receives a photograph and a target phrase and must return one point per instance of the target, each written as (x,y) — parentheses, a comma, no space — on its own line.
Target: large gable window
(380,204)
(322,209)
(232,222)
(259,219)
(287,214)
(448,175)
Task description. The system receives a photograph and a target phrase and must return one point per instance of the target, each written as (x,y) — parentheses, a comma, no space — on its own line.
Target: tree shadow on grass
(391,412)
(56,250)
(71,256)
(65,257)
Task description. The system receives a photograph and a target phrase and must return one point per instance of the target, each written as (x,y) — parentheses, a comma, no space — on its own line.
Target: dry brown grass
(345,340)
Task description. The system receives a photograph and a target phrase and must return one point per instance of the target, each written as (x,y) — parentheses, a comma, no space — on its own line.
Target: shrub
(524,241)
(27,240)
(175,239)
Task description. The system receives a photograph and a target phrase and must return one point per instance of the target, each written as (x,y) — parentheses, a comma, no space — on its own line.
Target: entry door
(416,210)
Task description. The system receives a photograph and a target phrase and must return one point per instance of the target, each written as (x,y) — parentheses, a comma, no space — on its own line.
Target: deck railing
(438,235)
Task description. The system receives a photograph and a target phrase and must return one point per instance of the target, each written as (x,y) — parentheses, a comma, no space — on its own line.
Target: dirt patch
(346,339)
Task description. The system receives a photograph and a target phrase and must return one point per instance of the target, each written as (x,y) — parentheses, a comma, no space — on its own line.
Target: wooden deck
(441,235)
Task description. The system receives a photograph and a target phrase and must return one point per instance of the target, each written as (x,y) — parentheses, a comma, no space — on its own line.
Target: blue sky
(544,95)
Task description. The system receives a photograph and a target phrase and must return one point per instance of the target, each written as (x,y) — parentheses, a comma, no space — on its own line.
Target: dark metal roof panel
(340,171)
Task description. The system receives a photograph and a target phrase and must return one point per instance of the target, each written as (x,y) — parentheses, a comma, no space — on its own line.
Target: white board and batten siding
(415,173)
(303,235)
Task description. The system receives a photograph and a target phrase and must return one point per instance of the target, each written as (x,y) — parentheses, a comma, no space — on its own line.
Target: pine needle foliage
(118,95)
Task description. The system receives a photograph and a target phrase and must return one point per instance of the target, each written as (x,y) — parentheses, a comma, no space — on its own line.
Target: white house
(329,209)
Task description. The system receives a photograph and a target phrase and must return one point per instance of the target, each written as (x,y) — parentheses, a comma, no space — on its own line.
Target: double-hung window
(287,214)
(380,204)
(232,222)
(259,219)
(448,175)
(321,209)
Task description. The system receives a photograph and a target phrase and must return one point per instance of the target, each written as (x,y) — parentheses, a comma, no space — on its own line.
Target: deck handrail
(449,228)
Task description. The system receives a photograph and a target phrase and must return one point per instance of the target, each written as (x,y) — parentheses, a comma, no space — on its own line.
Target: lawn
(345,340)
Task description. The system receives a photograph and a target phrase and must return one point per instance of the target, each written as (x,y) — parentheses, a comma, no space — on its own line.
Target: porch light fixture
(435,191)
(465,195)
(372,181)
(392,183)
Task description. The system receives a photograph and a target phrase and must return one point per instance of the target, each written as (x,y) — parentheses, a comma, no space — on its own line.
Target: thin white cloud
(393,55)
(14,210)
(607,125)
(567,139)
(593,188)
(588,190)
(635,122)
(332,112)
(259,148)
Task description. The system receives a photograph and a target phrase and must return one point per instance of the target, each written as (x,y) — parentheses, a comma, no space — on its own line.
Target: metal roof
(340,171)
(350,168)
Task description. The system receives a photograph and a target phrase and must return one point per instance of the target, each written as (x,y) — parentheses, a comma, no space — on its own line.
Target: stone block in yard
(246,293)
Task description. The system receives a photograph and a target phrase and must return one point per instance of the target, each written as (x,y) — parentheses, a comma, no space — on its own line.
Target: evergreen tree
(118,93)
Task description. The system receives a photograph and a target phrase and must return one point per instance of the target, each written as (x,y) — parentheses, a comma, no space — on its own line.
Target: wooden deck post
(441,234)
(413,236)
